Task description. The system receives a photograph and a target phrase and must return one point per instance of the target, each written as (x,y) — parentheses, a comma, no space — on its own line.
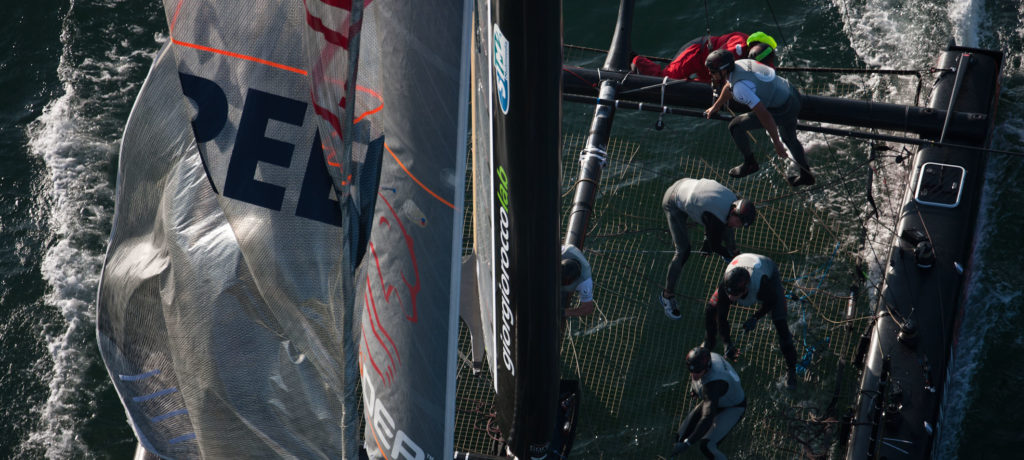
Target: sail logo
(501,68)
(505,282)
(382,425)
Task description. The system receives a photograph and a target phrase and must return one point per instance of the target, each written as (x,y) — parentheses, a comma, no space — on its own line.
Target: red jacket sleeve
(646,67)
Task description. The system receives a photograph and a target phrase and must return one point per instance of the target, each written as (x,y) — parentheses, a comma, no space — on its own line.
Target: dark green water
(70,73)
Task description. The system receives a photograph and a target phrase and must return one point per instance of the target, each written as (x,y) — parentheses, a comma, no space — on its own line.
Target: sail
(410,276)
(227,313)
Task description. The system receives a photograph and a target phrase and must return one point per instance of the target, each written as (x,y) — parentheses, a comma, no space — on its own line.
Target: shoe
(671,310)
(791,379)
(731,352)
(748,167)
(805,178)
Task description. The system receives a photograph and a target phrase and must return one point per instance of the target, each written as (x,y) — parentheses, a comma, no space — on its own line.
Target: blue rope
(805,362)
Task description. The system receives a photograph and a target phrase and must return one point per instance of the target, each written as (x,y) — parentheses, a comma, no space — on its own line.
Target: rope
(772,10)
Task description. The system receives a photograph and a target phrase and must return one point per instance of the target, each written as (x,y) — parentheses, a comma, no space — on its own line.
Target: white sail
(226,313)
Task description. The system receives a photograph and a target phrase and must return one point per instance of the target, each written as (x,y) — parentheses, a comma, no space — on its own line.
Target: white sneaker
(671,310)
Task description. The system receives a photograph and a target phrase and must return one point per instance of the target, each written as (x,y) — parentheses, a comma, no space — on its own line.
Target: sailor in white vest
(748,279)
(714,380)
(716,208)
(774,105)
(576,276)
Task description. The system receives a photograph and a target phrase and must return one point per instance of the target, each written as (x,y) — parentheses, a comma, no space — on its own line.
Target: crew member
(723,403)
(748,279)
(576,276)
(689,62)
(716,208)
(774,105)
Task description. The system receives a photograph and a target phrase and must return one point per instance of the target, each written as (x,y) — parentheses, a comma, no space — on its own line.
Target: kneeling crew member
(715,381)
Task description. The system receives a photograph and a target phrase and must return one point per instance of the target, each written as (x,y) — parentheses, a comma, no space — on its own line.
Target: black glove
(679,448)
(750,324)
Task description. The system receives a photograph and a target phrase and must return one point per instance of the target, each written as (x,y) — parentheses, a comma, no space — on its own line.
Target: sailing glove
(750,324)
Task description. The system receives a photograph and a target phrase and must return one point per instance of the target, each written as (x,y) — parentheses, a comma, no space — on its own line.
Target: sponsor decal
(395,443)
(504,280)
(501,68)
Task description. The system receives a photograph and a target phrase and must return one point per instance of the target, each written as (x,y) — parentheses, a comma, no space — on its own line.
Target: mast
(517,141)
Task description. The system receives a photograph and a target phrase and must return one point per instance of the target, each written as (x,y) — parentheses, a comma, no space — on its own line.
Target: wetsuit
(706,202)
(689,62)
(753,82)
(723,406)
(766,286)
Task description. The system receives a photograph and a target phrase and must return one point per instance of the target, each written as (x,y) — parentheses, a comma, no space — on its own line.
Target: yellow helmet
(761,37)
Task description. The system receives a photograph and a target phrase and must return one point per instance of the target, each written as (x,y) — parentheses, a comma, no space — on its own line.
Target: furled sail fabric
(410,274)
(227,312)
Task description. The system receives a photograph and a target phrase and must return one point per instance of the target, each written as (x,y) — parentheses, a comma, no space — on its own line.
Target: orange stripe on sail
(239,56)
(424,187)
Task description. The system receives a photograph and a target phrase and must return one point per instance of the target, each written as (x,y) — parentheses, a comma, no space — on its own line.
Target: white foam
(76,153)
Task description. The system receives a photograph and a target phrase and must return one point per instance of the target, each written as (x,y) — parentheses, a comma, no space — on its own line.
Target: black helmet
(698,360)
(736,280)
(744,209)
(570,271)
(719,60)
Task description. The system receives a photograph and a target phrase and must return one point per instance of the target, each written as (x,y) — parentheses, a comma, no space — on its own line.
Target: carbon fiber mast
(517,136)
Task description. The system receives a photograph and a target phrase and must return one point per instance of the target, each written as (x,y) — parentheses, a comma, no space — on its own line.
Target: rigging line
(707,23)
(845,190)
(772,10)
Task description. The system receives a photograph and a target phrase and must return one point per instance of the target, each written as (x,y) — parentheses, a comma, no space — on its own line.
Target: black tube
(654,107)
(593,156)
(923,121)
(961,70)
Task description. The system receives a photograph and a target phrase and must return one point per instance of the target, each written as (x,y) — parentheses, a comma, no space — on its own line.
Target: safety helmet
(744,209)
(698,360)
(761,37)
(736,281)
(570,271)
(761,52)
(719,60)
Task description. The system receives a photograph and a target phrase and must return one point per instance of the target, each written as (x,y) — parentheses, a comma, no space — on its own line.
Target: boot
(749,166)
(731,352)
(805,178)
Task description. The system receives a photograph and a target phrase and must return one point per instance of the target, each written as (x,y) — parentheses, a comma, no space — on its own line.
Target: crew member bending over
(576,277)
(714,380)
(716,208)
(748,279)
(774,105)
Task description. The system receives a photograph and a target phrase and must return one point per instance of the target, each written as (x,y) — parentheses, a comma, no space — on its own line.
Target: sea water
(70,73)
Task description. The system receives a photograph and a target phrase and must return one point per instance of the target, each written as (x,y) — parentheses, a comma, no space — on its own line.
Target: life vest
(758,267)
(697,196)
(721,370)
(771,89)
